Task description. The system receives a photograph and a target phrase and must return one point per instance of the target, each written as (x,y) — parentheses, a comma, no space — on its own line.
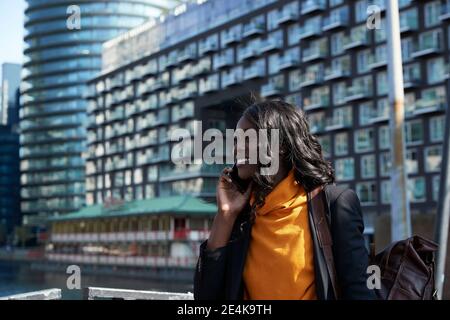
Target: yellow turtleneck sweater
(280,261)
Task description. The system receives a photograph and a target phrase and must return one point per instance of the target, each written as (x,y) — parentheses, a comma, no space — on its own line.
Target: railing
(93,293)
(50,294)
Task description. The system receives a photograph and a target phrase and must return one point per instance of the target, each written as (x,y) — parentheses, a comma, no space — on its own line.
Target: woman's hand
(230,203)
(230,200)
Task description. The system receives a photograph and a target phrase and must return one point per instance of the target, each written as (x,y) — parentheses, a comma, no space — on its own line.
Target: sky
(11,30)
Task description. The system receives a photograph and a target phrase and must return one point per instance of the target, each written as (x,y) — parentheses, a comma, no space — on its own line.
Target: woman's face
(246,170)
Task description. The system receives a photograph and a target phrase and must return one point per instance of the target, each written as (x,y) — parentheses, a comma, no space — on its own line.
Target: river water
(18,277)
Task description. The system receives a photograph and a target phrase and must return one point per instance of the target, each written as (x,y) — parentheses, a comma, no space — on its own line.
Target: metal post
(400,213)
(443,210)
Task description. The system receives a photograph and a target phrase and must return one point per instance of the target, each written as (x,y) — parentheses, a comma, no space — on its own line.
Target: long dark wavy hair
(298,148)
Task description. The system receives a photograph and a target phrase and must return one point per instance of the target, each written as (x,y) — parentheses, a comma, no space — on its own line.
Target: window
(382,83)
(416,189)
(380,34)
(435,70)
(367,192)
(363,59)
(384,137)
(272,20)
(432,12)
(341,144)
(411,73)
(437,128)
(365,113)
(364,140)
(368,166)
(385,192)
(337,41)
(316,122)
(293,34)
(361,11)
(334,3)
(152,173)
(385,164)
(410,103)
(433,158)
(412,161)
(274,65)
(325,143)
(404,3)
(295,80)
(435,187)
(345,169)
(414,132)
(128,177)
(407,49)
(339,92)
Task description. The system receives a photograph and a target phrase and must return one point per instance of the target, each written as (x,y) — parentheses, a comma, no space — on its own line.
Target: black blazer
(218,274)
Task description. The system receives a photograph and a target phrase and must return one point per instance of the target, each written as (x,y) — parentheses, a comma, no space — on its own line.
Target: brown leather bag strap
(317,201)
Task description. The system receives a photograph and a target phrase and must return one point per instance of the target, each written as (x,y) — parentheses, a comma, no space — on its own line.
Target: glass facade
(9,182)
(59,60)
(319,55)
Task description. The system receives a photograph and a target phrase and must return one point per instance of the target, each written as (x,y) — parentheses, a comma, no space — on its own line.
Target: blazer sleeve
(209,277)
(350,253)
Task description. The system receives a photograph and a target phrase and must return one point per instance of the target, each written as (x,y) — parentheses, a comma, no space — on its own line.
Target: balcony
(253,28)
(411,78)
(193,171)
(149,69)
(429,44)
(188,92)
(188,54)
(224,60)
(289,60)
(335,21)
(255,71)
(358,92)
(248,52)
(209,84)
(356,40)
(338,122)
(337,72)
(315,52)
(380,114)
(408,22)
(378,60)
(232,37)
(311,6)
(172,60)
(201,68)
(316,101)
(273,88)
(230,79)
(316,127)
(311,78)
(430,102)
(208,45)
(445,14)
(286,15)
(271,44)
(159,84)
(310,30)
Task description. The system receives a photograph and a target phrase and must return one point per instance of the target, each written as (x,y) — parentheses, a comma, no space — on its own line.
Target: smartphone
(240,183)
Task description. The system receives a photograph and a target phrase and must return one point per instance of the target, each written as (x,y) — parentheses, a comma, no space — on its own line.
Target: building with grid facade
(320,55)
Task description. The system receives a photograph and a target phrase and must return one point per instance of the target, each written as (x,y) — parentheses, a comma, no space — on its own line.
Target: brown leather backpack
(407,270)
(406,267)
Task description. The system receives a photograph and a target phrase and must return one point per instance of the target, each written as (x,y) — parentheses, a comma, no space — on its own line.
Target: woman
(262,244)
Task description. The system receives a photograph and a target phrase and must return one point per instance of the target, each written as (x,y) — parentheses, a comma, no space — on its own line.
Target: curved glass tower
(60,58)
